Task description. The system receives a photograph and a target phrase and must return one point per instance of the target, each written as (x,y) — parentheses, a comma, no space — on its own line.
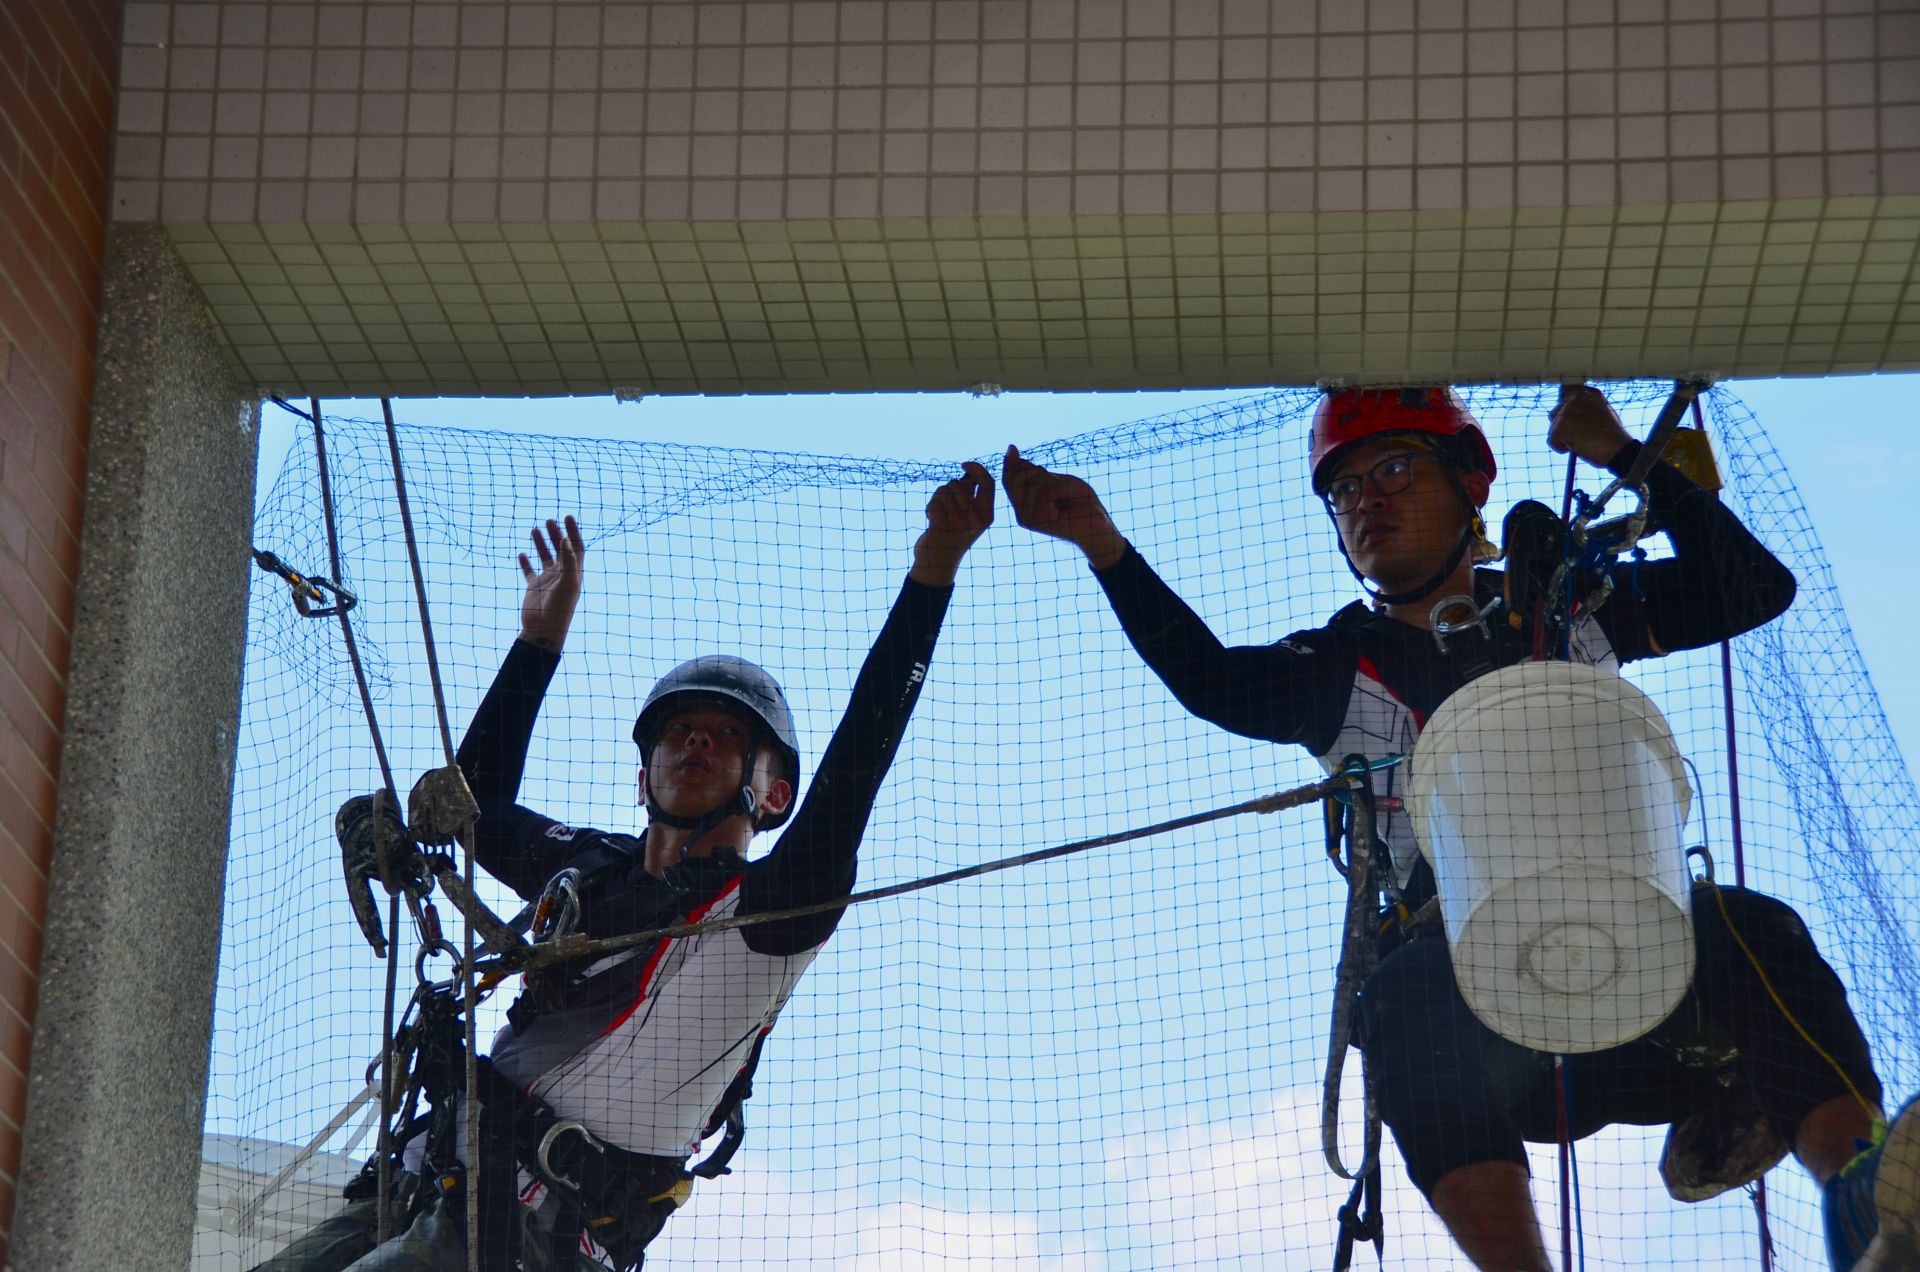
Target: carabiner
(543,1155)
(1452,615)
(442,946)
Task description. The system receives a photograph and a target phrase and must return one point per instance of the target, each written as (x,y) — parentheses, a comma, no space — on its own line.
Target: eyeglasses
(1390,476)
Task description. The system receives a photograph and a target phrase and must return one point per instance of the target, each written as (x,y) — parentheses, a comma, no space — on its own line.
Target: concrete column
(119,1064)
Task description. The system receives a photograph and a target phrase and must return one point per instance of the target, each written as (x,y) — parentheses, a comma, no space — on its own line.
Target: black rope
(571,948)
(465,969)
(384,1202)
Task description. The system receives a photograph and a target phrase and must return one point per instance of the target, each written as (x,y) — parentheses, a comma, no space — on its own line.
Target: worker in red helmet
(1406,425)
(1405,473)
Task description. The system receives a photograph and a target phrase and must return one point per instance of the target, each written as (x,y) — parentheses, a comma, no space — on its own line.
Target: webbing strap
(1359,953)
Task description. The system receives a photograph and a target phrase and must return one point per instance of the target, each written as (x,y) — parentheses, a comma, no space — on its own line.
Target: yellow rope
(1872,1109)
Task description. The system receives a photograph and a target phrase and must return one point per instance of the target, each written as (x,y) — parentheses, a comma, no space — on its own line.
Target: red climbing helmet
(1347,416)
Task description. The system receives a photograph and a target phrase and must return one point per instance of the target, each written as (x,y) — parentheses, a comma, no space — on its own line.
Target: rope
(1739,870)
(1685,393)
(419,580)
(465,970)
(576,947)
(384,1203)
(1767,984)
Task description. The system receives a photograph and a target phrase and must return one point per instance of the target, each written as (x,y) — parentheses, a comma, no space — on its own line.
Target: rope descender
(1590,546)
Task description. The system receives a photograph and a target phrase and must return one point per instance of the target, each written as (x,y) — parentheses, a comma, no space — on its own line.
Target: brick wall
(57,76)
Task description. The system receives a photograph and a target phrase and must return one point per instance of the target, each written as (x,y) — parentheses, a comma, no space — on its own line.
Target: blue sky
(1108,1063)
(1851,444)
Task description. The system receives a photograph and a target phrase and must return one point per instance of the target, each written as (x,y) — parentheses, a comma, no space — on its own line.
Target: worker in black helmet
(609,1075)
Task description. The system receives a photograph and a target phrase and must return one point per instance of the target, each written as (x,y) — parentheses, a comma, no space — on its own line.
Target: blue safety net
(1111,1061)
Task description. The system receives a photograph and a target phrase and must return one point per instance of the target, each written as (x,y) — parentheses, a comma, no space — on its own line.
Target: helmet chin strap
(1439,578)
(742,802)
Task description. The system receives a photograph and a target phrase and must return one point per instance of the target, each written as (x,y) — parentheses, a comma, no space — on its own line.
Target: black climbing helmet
(726,681)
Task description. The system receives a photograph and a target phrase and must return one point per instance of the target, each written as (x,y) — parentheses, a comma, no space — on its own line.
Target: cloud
(767,1218)
(1253,1193)
(1249,1193)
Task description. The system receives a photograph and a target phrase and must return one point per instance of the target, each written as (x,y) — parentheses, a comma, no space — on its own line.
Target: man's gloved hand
(375,845)
(441,807)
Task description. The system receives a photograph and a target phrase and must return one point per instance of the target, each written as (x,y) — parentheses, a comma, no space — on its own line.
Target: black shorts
(1455,1093)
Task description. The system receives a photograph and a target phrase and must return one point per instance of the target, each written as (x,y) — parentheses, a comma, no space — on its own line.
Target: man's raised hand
(959,512)
(1062,505)
(1585,424)
(554,589)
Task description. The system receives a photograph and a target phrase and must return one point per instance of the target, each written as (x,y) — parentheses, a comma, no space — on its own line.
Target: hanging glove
(1533,540)
(375,845)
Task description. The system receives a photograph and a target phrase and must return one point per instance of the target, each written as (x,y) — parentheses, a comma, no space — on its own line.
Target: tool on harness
(1532,540)
(441,807)
(1361,1220)
(314,596)
(374,844)
(728,1119)
(556,912)
(556,915)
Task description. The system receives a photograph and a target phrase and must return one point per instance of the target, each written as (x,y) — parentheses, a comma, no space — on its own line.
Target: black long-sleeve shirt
(815,858)
(641,1046)
(1719,582)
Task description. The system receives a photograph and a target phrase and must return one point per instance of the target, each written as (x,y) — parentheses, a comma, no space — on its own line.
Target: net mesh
(1109,1061)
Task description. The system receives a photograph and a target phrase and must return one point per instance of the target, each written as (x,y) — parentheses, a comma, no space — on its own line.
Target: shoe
(1872,1207)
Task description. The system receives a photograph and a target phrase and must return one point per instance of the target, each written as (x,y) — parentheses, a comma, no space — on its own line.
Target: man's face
(700,759)
(1399,539)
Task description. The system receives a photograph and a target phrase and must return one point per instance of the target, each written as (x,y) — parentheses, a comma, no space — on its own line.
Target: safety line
(419,580)
(1740,876)
(570,948)
(383,1206)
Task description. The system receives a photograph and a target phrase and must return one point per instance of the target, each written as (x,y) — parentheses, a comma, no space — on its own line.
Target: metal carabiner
(1706,863)
(557,913)
(1452,615)
(342,601)
(1616,534)
(428,951)
(543,1155)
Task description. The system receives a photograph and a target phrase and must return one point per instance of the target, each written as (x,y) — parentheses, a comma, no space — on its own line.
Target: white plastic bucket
(1550,799)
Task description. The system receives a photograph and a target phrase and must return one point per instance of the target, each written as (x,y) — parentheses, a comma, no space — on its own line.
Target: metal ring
(1706,861)
(428,951)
